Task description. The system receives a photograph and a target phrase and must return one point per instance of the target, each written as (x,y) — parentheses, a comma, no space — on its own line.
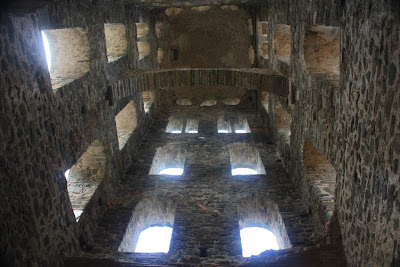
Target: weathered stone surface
(343,97)
(346,114)
(206,213)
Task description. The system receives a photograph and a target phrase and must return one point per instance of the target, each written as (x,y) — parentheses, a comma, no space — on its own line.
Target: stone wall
(205,37)
(45,131)
(352,119)
(209,204)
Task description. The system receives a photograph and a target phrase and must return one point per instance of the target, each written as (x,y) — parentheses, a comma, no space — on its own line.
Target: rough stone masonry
(317,81)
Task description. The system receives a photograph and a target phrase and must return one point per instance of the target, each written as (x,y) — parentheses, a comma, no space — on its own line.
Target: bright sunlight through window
(243,171)
(256,240)
(78,214)
(47,50)
(154,239)
(172,171)
(240,131)
(66,173)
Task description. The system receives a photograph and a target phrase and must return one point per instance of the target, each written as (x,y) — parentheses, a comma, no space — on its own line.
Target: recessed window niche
(160,55)
(283,121)
(148,100)
(261,226)
(155,239)
(224,124)
(116,44)
(321,177)
(241,125)
(143,49)
(192,125)
(265,101)
(142,29)
(282,44)
(175,124)
(322,50)
(233,124)
(85,176)
(67,53)
(126,122)
(169,160)
(245,159)
(150,227)
(256,240)
(262,35)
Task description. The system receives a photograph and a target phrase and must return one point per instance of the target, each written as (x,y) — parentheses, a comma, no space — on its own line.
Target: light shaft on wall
(47,50)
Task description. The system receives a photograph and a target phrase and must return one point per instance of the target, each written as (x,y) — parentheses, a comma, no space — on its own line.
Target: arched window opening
(126,122)
(256,240)
(282,43)
(116,44)
(321,177)
(148,100)
(262,35)
(150,228)
(85,176)
(47,50)
(169,160)
(322,50)
(67,54)
(283,122)
(245,160)
(154,240)
(261,226)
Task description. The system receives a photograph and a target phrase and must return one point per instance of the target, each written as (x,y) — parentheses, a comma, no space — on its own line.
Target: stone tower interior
(101,101)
